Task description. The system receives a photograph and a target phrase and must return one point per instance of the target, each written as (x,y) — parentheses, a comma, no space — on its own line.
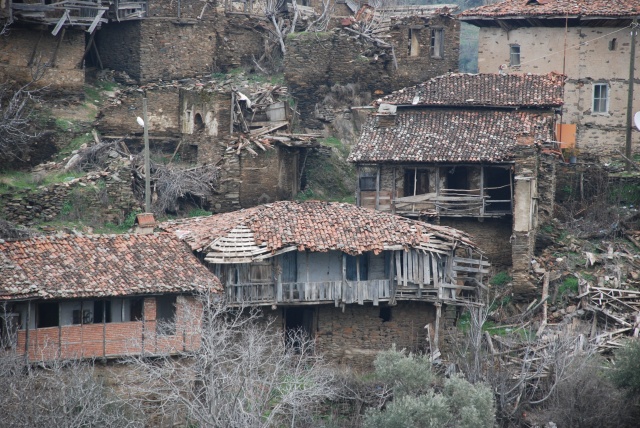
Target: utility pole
(632,66)
(147,168)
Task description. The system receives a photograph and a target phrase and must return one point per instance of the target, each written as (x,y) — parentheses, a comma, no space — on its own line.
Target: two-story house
(588,41)
(355,279)
(463,150)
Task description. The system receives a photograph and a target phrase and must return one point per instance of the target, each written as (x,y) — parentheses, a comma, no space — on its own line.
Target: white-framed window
(514,55)
(600,98)
(437,43)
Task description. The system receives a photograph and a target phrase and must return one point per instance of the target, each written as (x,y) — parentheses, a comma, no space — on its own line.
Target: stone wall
(24,49)
(317,61)
(167,48)
(492,236)
(109,191)
(354,336)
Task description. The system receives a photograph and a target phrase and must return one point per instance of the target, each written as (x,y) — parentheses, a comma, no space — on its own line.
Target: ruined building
(464,150)
(587,40)
(354,279)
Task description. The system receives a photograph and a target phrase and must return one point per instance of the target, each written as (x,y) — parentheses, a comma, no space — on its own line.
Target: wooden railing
(449,202)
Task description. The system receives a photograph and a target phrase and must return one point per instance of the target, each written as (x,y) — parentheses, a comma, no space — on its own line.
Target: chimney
(145,223)
(386,115)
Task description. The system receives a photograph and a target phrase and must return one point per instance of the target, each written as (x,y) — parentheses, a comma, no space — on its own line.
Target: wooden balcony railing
(451,202)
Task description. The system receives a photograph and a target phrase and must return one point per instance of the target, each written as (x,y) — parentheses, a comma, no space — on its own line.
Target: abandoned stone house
(380,50)
(103,296)
(355,279)
(587,40)
(250,140)
(464,150)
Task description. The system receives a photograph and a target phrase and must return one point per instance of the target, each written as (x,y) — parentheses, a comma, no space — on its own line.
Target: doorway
(298,325)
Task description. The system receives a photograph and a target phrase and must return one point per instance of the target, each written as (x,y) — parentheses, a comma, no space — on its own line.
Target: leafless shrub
(98,156)
(56,394)
(170,184)
(245,374)
(585,398)
(18,134)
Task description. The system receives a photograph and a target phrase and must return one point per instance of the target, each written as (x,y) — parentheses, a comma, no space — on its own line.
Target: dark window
(458,178)
(416,181)
(352,270)
(367,183)
(290,267)
(166,314)
(514,55)
(101,311)
(48,315)
(497,188)
(437,43)
(385,313)
(198,123)
(613,44)
(136,310)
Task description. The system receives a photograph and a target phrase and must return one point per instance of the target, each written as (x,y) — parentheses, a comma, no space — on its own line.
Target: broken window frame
(514,55)
(600,102)
(436,48)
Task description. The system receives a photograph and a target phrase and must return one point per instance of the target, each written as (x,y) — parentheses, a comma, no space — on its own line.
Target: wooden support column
(104,328)
(378,188)
(436,334)
(87,49)
(26,342)
(344,276)
(394,192)
(55,52)
(59,330)
(278,266)
(95,50)
(482,189)
(35,48)
(358,196)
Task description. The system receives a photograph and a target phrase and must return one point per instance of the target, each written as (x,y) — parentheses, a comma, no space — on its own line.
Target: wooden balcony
(451,203)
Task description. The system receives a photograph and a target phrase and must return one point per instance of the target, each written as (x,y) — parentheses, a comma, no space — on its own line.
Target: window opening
(48,314)
(352,267)
(458,178)
(497,183)
(385,313)
(166,314)
(514,55)
(416,181)
(290,267)
(101,311)
(437,43)
(198,123)
(600,98)
(136,310)
(613,44)
(413,48)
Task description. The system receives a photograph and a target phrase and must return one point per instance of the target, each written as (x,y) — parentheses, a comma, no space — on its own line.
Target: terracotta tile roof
(316,226)
(99,266)
(542,8)
(440,135)
(459,89)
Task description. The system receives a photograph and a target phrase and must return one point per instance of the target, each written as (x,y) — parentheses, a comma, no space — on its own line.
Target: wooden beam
(55,52)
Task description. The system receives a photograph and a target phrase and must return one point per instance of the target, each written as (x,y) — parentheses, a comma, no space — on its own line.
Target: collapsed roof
(56,267)
(267,230)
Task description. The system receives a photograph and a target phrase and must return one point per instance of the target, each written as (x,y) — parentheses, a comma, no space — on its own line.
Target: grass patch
(74,144)
(199,212)
(11,180)
(569,285)
(501,278)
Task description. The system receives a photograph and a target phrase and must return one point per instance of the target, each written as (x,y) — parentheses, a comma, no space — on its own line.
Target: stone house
(463,150)
(382,50)
(587,40)
(204,123)
(355,279)
(99,296)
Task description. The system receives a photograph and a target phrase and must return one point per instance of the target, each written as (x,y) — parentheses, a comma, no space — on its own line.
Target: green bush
(626,372)
(501,278)
(416,404)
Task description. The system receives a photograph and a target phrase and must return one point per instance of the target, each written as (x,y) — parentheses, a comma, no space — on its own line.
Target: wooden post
(59,330)
(482,189)
(436,333)
(35,48)
(378,188)
(632,66)
(55,52)
(344,275)
(104,328)
(26,342)
(358,196)
(147,167)
(278,264)
(393,192)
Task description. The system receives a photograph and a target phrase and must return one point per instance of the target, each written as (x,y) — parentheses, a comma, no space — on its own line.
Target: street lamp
(144,122)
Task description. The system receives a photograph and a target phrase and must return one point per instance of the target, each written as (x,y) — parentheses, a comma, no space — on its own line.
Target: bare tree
(245,374)
(18,133)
